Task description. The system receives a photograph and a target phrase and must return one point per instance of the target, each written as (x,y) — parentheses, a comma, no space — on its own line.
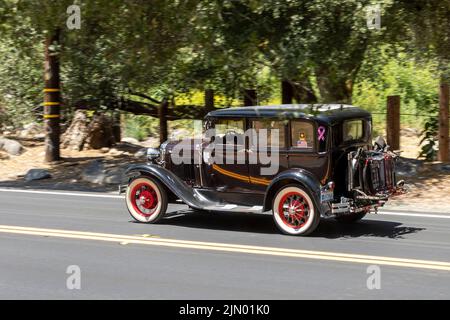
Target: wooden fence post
(209,100)
(443,122)
(393,122)
(250,97)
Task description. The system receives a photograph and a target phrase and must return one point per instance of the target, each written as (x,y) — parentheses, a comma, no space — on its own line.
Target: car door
(267,152)
(226,157)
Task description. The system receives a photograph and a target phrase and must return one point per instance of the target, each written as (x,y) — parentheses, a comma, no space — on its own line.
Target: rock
(75,136)
(100,132)
(408,167)
(104,150)
(94,172)
(30,130)
(39,136)
(4,156)
(37,174)
(130,140)
(11,146)
(82,132)
(445,167)
(115,152)
(115,176)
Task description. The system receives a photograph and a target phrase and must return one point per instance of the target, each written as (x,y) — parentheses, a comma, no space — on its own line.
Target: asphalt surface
(33,262)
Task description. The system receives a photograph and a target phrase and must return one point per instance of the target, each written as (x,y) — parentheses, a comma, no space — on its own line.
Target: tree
(121,45)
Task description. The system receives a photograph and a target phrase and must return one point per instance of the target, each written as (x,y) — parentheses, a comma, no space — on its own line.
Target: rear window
(302,135)
(353,130)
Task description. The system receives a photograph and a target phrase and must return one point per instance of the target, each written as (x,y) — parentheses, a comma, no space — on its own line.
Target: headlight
(152,154)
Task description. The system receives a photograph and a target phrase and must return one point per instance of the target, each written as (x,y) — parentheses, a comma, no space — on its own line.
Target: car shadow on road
(240,222)
(263,223)
(332,229)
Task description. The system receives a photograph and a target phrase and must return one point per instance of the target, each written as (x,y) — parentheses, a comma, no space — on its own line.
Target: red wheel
(146,200)
(294,212)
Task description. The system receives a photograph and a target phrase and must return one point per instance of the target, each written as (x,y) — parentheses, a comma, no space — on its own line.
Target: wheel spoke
(145,199)
(294,210)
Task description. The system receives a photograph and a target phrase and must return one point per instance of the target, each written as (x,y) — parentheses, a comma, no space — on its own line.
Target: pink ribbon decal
(321,133)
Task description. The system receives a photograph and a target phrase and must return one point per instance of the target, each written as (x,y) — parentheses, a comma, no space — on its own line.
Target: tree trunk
(162,115)
(300,91)
(334,88)
(52,99)
(250,97)
(303,92)
(209,100)
(287,92)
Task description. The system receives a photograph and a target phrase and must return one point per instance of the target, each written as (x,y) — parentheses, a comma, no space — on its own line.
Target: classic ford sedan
(299,162)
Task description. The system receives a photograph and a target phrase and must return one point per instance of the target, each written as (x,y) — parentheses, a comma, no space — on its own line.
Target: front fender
(187,194)
(301,176)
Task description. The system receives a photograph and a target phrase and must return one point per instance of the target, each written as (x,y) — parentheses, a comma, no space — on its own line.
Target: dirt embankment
(67,173)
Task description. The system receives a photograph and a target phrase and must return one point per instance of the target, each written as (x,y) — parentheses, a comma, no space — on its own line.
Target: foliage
(121,44)
(175,49)
(21,77)
(140,127)
(384,74)
(429,145)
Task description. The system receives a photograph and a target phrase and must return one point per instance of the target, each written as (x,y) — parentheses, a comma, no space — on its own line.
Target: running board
(234,208)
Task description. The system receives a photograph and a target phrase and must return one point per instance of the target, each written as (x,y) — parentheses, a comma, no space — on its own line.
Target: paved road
(194,255)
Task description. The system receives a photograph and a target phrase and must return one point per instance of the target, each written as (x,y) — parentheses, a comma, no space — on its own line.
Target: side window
(353,130)
(274,128)
(229,131)
(302,135)
(229,126)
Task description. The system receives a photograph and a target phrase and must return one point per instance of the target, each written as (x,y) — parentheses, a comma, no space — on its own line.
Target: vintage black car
(326,167)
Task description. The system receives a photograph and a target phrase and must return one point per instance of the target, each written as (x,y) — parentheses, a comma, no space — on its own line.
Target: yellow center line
(212,246)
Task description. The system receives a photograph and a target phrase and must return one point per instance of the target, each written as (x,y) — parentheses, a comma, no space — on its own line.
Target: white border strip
(420,215)
(76,194)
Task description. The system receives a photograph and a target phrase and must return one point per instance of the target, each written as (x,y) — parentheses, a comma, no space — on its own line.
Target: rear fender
(294,176)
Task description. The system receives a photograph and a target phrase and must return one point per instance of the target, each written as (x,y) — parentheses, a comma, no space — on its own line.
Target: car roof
(329,113)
